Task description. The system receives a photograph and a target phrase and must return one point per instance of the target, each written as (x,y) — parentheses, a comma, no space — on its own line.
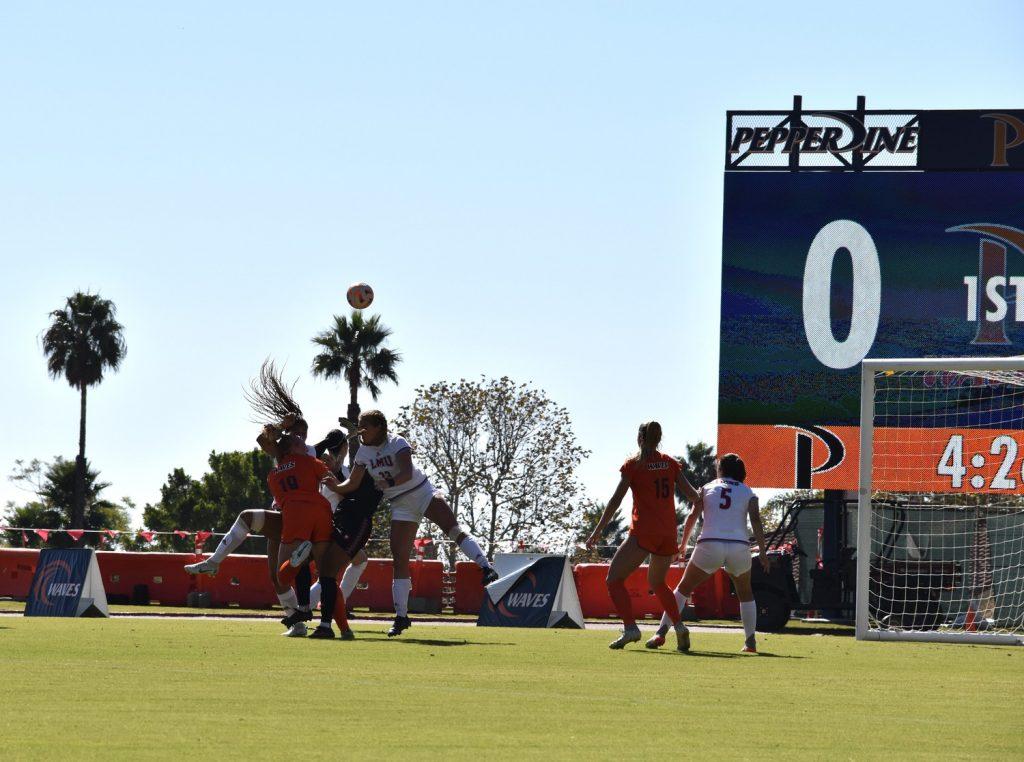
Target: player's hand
(348,425)
(380,484)
(331,481)
(592,540)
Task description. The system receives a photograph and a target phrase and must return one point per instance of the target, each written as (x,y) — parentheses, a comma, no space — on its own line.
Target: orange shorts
(659,544)
(306,521)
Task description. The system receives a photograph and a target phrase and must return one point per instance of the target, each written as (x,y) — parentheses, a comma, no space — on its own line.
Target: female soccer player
(652,477)
(725,504)
(353,522)
(388,459)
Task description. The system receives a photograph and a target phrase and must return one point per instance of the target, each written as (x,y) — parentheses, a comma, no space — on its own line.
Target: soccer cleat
(656,641)
(322,632)
(682,638)
(206,566)
(490,575)
(750,646)
(629,635)
(400,625)
(297,630)
(299,615)
(301,553)
(347,634)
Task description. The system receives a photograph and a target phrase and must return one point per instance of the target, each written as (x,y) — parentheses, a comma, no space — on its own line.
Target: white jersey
(725,504)
(381,462)
(333,497)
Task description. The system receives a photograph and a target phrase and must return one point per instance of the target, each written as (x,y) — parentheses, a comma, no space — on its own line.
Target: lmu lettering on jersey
(379,462)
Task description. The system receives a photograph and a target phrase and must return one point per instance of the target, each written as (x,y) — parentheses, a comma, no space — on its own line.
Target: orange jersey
(653,483)
(296,480)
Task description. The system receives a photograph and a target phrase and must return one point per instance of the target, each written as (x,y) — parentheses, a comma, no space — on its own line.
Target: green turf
(143,688)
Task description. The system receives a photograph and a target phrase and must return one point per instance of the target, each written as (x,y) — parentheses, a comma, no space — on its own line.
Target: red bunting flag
(181,533)
(76,534)
(112,533)
(24,538)
(44,533)
(146,535)
(201,537)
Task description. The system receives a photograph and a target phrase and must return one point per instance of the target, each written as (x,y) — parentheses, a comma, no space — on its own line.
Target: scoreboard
(852,235)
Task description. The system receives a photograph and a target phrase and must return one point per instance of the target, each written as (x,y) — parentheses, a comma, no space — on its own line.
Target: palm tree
(82,341)
(351,349)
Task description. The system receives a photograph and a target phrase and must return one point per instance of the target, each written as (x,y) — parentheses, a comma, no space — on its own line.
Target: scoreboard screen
(894,235)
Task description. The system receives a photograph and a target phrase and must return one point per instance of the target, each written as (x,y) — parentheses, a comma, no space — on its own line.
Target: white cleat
(682,638)
(297,630)
(206,566)
(629,635)
(301,553)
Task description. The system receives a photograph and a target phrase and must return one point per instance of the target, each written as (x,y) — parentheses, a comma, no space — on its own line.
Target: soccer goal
(940,529)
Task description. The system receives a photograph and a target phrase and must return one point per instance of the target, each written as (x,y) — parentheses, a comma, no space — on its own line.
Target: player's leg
(235,536)
(695,574)
(439,513)
(738,567)
(626,560)
(289,570)
(328,559)
(402,535)
(350,536)
(350,579)
(656,572)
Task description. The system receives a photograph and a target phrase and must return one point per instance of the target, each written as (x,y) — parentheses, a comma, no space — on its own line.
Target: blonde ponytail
(649,437)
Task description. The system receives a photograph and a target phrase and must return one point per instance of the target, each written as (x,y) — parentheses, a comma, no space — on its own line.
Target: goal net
(940,534)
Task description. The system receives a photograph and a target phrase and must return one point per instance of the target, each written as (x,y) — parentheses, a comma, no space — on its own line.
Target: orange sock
(286,574)
(340,615)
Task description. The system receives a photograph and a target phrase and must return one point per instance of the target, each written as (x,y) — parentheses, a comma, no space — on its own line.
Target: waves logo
(521,598)
(48,583)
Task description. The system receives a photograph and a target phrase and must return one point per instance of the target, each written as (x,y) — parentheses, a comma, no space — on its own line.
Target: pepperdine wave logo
(46,585)
(528,599)
(834,132)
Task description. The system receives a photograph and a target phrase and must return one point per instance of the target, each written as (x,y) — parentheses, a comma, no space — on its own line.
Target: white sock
(314,595)
(400,590)
(748,613)
(350,578)
(472,549)
(229,542)
(289,602)
(666,623)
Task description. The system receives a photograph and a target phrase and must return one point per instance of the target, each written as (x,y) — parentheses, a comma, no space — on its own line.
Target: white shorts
(413,504)
(712,555)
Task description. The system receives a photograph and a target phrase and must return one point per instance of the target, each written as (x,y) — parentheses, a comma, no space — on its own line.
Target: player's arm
(267,440)
(754,512)
(688,490)
(351,484)
(690,523)
(609,511)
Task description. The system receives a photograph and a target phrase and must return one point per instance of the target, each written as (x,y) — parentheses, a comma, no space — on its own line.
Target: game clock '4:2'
(952,463)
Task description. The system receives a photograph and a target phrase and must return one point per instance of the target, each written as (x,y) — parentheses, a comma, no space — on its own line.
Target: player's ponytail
(731,466)
(649,437)
(270,397)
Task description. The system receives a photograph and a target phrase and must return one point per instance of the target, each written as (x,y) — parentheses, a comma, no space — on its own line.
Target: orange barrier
(242,580)
(469,588)
(707,600)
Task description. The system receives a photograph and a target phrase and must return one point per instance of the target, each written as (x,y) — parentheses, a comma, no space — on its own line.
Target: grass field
(145,688)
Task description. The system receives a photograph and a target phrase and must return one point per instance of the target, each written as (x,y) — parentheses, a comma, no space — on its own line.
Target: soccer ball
(360,295)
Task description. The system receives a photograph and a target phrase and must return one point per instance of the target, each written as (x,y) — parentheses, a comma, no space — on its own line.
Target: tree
(612,537)
(505,454)
(83,340)
(53,485)
(236,481)
(353,349)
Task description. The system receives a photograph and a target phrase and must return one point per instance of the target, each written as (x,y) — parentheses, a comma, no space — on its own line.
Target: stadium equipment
(67,583)
(360,295)
(940,529)
(533,590)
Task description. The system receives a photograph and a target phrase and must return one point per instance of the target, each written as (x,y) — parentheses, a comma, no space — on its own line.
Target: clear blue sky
(533,189)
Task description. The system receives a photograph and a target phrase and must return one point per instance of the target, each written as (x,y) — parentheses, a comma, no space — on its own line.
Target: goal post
(940,529)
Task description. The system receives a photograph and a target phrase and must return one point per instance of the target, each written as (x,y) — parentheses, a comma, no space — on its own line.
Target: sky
(532,189)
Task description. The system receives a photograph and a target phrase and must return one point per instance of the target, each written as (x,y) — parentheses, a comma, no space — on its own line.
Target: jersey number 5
(726,499)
